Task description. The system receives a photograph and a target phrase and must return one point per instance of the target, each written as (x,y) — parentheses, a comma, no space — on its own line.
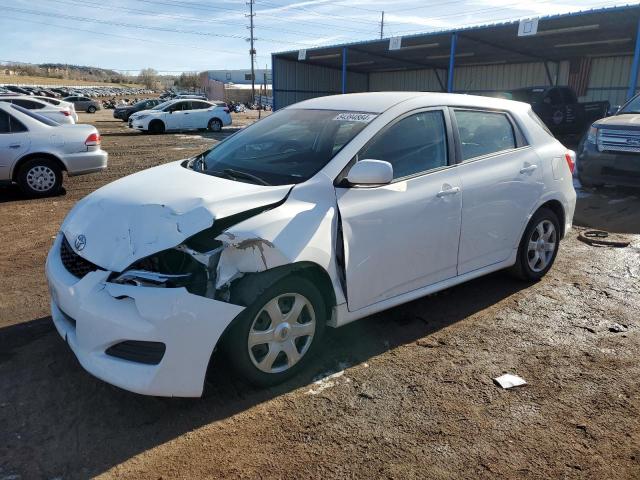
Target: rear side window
(31,105)
(9,124)
(35,116)
(415,144)
(5,125)
(483,133)
(200,105)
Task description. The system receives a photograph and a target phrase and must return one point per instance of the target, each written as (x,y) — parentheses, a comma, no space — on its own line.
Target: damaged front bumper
(93,315)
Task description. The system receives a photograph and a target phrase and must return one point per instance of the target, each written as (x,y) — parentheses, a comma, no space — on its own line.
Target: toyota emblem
(81,242)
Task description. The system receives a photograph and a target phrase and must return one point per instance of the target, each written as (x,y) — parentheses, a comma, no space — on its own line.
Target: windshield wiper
(233,174)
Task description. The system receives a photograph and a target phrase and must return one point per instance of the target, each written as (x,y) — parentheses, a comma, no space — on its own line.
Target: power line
(263,15)
(66,27)
(171,16)
(492,20)
(129,25)
(290,7)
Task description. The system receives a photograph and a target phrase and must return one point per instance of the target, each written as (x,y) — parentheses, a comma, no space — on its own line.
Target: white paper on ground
(509,381)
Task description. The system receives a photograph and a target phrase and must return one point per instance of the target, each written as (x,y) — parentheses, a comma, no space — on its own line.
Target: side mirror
(613,110)
(370,172)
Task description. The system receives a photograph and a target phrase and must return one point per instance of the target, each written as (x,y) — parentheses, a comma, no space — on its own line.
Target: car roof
(378,102)
(25,97)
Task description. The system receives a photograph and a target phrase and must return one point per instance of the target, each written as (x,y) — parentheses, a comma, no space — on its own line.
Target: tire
(215,125)
(541,238)
(40,177)
(267,364)
(91,109)
(156,126)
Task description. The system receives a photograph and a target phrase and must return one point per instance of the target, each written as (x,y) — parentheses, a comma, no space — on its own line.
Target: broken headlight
(174,268)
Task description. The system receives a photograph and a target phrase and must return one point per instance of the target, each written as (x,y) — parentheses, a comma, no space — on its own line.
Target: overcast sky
(189,35)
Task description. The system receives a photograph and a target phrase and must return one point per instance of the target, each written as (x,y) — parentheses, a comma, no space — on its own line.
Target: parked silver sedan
(35,150)
(84,104)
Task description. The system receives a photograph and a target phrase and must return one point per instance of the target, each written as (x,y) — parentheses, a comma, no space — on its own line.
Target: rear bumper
(86,162)
(92,315)
(608,167)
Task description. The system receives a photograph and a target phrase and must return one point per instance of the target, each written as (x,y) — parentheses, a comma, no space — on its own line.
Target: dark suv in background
(610,152)
(123,112)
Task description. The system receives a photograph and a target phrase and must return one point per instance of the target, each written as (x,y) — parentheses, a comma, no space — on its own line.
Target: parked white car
(182,115)
(323,213)
(62,114)
(35,150)
(62,104)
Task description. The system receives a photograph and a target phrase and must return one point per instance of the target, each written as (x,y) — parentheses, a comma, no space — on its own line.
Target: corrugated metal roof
(629,6)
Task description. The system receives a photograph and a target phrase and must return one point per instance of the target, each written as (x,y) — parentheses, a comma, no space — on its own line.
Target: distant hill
(64,72)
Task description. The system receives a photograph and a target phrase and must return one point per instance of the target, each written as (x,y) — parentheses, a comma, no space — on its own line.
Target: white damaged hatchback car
(320,214)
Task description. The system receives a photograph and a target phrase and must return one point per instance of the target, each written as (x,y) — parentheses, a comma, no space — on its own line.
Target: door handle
(447,191)
(529,169)
(15,145)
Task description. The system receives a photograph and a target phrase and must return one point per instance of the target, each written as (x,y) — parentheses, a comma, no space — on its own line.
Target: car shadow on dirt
(79,426)
(11,193)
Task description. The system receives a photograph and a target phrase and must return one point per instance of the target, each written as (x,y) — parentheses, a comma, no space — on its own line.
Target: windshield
(36,116)
(287,147)
(632,106)
(160,106)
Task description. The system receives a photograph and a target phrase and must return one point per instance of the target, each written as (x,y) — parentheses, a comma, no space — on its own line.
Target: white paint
(190,119)
(157,209)
(402,240)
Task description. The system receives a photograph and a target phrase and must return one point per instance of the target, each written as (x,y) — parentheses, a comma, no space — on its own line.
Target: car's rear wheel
(215,125)
(156,126)
(40,177)
(278,333)
(538,247)
(91,109)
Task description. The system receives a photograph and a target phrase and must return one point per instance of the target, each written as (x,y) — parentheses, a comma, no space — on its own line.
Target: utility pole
(382,26)
(252,53)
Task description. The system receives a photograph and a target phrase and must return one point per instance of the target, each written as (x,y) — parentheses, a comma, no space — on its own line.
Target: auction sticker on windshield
(355,117)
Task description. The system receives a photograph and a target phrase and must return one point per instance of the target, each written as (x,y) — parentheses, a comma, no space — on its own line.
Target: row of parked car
(59,92)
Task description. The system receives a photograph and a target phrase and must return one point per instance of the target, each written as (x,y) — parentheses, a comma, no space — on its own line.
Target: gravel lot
(411,395)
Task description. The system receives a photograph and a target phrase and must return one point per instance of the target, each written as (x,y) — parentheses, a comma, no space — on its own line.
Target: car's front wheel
(91,109)
(40,177)
(156,126)
(539,246)
(278,333)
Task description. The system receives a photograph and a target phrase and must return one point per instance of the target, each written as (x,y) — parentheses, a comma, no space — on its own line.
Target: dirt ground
(407,393)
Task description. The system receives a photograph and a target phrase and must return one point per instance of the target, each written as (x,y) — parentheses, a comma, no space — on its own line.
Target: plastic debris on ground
(507,381)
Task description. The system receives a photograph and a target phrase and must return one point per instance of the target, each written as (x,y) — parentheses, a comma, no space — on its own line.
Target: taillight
(66,113)
(93,140)
(570,156)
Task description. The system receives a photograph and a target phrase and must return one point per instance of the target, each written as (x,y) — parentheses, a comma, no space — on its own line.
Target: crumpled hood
(156,209)
(623,121)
